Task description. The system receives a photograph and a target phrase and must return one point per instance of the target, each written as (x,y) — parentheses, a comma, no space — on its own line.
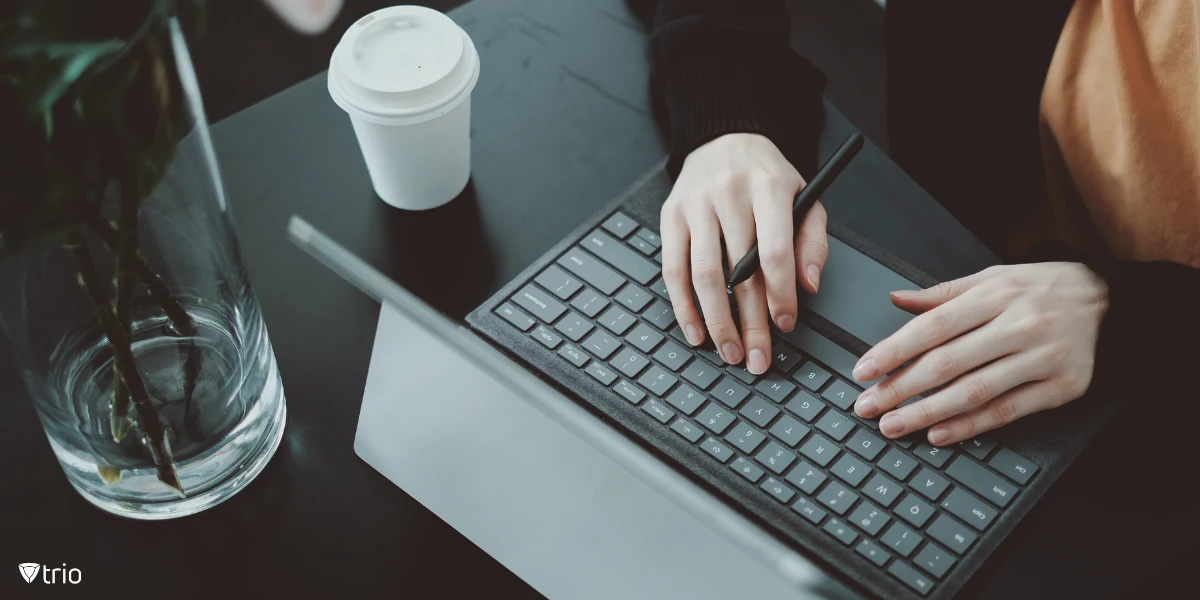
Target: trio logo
(29,572)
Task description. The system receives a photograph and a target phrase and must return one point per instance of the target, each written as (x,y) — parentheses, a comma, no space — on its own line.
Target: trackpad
(854,294)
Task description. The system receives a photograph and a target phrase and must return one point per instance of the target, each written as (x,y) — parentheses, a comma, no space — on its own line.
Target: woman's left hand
(1010,340)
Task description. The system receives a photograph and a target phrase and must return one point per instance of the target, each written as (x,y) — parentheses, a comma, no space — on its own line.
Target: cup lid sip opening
(403,65)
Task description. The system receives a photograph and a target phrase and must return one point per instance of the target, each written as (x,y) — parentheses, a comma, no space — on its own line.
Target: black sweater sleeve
(724,66)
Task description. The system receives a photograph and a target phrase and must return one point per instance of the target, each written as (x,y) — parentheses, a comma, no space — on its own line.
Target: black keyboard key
(616,320)
(809,510)
(686,399)
(784,357)
(774,386)
(729,392)
(513,315)
(629,362)
(591,270)
(657,381)
(789,431)
(822,350)
(897,464)
(624,258)
(979,447)
(633,298)
(1013,466)
(882,490)
(715,418)
(742,374)
(650,237)
(658,258)
(811,376)
(840,394)
(747,469)
(759,411)
(548,338)
(644,338)
(806,477)
(972,510)
(837,425)
(687,430)
(850,469)
(837,497)
(934,455)
(716,449)
(573,354)
(708,352)
(601,372)
(978,479)
(775,458)
(672,356)
(929,484)
(659,287)
(914,510)
(777,490)
(908,441)
(677,333)
(589,302)
(872,552)
(660,314)
(901,540)
(574,327)
(934,559)
(819,449)
(601,344)
(869,518)
(919,583)
(805,406)
(865,444)
(953,534)
(700,374)
(839,530)
(745,438)
(642,245)
(559,282)
(629,392)
(540,303)
(657,410)
(620,225)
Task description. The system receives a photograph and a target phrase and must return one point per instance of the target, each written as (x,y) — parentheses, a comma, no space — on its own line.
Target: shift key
(982,481)
(620,256)
(590,269)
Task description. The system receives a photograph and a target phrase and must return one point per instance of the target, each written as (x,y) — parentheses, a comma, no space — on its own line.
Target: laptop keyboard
(903,506)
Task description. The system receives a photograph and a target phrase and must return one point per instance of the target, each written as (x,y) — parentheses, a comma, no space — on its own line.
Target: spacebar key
(620,256)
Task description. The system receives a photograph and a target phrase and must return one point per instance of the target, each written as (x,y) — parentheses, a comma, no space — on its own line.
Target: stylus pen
(804,201)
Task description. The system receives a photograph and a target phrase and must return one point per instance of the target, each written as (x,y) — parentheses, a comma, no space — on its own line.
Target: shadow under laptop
(442,255)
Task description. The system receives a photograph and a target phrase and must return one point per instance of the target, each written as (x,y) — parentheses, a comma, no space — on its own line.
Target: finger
(677,275)
(1002,410)
(709,279)
(776,254)
(919,301)
(812,248)
(927,331)
(936,367)
(751,294)
(967,393)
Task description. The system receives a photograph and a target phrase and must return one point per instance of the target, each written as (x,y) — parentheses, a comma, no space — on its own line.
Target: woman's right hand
(739,188)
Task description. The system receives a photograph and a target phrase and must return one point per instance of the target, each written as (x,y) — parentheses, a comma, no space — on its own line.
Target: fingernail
(785,323)
(904,294)
(731,353)
(866,405)
(866,370)
(891,424)
(814,276)
(692,333)
(758,362)
(938,435)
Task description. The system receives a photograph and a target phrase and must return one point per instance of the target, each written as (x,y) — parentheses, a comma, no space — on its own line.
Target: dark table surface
(561,124)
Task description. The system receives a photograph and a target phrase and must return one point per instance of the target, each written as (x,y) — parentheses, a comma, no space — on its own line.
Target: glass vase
(138,336)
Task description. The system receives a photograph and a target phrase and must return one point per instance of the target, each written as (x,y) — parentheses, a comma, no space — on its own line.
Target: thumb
(919,301)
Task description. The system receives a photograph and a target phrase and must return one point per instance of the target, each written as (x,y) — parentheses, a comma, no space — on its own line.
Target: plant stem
(148,419)
(127,250)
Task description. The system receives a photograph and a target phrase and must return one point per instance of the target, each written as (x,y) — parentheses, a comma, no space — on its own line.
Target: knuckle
(818,247)
(727,180)
(967,430)
(944,289)
(976,390)
(943,363)
(892,392)
(774,254)
(707,273)
(1003,412)
(937,325)
(923,414)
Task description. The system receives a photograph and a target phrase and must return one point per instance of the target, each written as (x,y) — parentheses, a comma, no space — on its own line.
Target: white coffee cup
(404,75)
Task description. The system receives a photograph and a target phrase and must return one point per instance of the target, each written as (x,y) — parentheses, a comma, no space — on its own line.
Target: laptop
(575,436)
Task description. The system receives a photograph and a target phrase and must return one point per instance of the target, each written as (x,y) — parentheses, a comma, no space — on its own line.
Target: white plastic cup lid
(403,65)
